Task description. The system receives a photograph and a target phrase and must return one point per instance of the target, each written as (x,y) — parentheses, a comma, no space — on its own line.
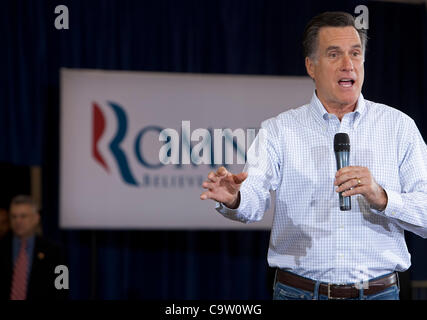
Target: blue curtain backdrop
(224,36)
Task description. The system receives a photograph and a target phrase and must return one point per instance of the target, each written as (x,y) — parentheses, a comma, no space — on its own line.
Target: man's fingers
(347,173)
(212,176)
(240,177)
(224,189)
(354,191)
(205,195)
(340,179)
(346,177)
(210,195)
(352,183)
(221,172)
(207,185)
(347,170)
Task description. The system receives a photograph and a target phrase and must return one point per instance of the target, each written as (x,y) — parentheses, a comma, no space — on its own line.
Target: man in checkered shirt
(319,251)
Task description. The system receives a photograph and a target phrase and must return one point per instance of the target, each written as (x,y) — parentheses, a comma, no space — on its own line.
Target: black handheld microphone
(342,155)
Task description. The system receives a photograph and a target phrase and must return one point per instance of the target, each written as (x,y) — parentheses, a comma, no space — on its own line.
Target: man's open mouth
(346,82)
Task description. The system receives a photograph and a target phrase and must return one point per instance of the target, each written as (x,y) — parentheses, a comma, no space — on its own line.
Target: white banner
(120,168)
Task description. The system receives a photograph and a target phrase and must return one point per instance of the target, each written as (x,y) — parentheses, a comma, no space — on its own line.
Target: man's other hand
(354,180)
(223,186)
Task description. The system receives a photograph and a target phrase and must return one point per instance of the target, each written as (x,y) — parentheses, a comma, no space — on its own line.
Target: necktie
(19,279)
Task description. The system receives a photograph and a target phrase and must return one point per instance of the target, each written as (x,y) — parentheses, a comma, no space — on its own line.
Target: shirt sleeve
(408,208)
(263,168)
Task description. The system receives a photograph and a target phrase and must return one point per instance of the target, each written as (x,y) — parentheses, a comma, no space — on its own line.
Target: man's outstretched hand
(223,186)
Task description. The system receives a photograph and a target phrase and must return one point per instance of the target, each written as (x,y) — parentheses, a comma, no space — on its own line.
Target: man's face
(338,71)
(23,220)
(4,222)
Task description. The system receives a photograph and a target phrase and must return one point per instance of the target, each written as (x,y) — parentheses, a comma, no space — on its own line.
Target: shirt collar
(321,115)
(30,242)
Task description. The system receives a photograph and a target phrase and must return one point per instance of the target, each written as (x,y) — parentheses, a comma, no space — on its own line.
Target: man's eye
(356,54)
(333,55)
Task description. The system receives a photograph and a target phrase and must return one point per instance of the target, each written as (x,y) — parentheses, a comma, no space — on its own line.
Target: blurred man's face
(4,222)
(23,220)
(338,70)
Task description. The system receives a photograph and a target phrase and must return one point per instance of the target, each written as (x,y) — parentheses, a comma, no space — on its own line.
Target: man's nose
(346,63)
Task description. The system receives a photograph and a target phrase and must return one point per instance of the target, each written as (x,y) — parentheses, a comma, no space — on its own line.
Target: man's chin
(20,234)
(349,99)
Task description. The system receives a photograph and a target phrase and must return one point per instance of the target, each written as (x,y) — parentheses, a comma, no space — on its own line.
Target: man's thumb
(240,177)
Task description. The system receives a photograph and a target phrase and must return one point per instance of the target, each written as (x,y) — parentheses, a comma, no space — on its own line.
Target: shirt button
(393,213)
(341,226)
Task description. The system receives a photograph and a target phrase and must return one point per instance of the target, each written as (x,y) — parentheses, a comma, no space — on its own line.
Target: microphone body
(342,156)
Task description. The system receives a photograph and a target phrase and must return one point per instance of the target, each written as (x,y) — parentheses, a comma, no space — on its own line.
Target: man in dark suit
(28,261)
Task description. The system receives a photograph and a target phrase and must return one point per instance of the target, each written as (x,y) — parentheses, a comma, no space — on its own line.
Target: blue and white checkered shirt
(310,236)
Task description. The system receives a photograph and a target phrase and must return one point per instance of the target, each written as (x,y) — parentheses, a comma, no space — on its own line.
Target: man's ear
(309,66)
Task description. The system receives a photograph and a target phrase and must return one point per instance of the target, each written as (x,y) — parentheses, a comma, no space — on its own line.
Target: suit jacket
(41,282)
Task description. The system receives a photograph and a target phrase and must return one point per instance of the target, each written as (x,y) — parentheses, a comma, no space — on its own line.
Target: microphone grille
(341,142)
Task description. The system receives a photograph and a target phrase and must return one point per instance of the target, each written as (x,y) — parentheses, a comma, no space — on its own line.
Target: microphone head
(341,142)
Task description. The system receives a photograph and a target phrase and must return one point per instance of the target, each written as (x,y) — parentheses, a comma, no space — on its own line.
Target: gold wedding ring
(358,182)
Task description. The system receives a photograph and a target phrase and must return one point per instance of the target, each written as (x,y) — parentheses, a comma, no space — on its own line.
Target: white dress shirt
(310,236)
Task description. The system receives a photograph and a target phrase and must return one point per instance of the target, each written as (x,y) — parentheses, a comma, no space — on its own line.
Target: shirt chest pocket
(382,165)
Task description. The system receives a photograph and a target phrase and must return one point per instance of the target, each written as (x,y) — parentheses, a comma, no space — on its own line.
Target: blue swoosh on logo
(115,144)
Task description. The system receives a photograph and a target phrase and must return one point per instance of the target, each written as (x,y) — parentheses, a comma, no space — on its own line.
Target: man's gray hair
(24,199)
(328,19)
